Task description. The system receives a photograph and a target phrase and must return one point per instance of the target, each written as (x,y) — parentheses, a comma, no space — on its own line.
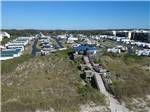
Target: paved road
(34,48)
(58,42)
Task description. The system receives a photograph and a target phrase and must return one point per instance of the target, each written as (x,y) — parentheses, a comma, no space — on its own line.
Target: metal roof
(84,48)
(9,52)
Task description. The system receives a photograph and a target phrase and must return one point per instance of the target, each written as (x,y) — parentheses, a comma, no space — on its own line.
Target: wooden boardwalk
(114,105)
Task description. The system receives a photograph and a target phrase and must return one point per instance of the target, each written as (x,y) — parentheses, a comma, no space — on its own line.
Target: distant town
(134,42)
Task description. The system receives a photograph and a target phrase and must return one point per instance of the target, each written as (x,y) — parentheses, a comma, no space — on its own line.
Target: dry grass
(133,81)
(44,83)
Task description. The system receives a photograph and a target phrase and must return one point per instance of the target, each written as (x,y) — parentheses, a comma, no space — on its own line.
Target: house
(40,35)
(26,38)
(144,52)
(133,43)
(85,48)
(14,48)
(147,45)
(119,39)
(61,37)
(71,39)
(114,50)
(10,53)
(126,41)
(82,35)
(103,36)
(45,52)
(20,41)
(122,48)
(47,47)
(14,44)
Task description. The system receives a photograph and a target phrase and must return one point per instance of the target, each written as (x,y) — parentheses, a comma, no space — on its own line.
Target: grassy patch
(133,81)
(87,94)
(46,82)
(8,66)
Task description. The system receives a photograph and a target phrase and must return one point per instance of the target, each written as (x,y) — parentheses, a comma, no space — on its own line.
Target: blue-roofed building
(14,48)
(9,53)
(85,48)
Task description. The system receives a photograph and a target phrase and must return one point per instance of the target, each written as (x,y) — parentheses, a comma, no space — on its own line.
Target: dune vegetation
(131,77)
(45,83)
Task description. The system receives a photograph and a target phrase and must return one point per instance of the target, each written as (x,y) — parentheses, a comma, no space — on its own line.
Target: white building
(61,36)
(103,36)
(71,39)
(144,52)
(27,38)
(126,41)
(14,48)
(114,33)
(113,50)
(82,35)
(10,54)
(3,35)
(2,47)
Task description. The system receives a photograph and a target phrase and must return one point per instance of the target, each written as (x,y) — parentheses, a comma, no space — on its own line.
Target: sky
(75,15)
